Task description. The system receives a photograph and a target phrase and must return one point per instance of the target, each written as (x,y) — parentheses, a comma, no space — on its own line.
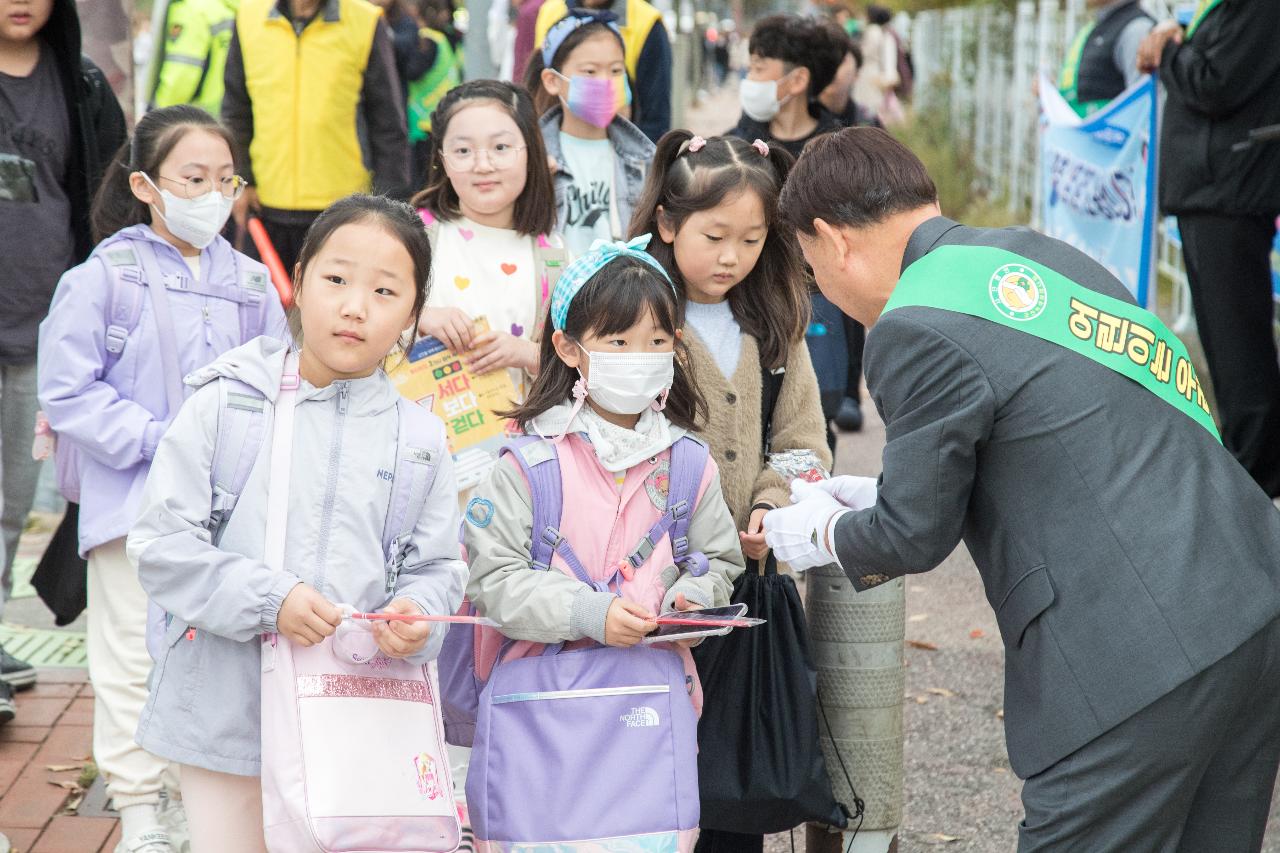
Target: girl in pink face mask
(579,82)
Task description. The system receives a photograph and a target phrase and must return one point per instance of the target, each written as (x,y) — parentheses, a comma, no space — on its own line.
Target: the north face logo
(640,718)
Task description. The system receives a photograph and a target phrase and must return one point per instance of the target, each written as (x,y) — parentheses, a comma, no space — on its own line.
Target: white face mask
(627,383)
(196,221)
(760,99)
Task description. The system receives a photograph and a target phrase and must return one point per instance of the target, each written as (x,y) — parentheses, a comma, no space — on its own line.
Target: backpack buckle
(552,537)
(399,546)
(116,337)
(679,511)
(642,551)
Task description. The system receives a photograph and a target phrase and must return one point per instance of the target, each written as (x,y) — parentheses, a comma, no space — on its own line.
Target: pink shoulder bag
(353,755)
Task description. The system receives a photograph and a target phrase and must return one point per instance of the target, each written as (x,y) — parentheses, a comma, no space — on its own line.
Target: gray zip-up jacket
(205,692)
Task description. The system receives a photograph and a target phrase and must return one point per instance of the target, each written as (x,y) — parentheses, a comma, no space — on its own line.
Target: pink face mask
(596,100)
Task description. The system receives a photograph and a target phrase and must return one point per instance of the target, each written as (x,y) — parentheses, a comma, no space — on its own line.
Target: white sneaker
(153,840)
(173,818)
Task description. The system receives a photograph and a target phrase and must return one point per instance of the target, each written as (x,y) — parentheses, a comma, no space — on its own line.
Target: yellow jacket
(193,54)
(297,99)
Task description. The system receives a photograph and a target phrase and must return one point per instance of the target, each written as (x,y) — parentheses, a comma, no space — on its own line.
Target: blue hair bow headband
(561,29)
(581,270)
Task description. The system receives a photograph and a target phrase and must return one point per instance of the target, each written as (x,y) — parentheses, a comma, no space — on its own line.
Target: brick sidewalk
(54,728)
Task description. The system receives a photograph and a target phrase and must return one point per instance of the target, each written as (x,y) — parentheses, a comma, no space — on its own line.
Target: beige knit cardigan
(733,430)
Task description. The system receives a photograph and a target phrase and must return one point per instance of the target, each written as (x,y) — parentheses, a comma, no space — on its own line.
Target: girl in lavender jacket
(111,359)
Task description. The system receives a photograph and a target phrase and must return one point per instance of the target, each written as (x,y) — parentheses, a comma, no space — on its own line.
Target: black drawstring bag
(760,768)
(62,576)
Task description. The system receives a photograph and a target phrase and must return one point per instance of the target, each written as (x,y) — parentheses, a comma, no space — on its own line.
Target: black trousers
(1228,265)
(1193,772)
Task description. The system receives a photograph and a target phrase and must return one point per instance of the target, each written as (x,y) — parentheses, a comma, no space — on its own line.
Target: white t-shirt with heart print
(487,272)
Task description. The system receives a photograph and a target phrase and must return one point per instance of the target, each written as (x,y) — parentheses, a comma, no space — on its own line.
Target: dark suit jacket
(1122,548)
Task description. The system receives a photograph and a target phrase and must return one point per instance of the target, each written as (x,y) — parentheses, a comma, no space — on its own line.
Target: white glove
(798,534)
(851,492)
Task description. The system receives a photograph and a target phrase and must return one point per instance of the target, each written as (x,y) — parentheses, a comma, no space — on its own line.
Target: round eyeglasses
(464,158)
(231,186)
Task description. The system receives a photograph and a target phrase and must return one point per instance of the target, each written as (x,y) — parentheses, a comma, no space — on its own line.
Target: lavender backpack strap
(252,304)
(688,461)
(540,463)
(420,440)
(281,460)
(170,366)
(124,297)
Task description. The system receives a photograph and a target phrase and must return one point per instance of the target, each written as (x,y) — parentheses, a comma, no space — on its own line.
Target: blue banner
(1098,181)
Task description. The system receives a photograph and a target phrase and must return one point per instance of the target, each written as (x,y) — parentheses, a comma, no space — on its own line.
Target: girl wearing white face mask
(613,397)
(161,296)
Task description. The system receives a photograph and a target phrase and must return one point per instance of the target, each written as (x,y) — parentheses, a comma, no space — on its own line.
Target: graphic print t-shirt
(590,214)
(35,143)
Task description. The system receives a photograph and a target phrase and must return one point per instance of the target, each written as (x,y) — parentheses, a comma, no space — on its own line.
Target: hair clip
(696,144)
(761,146)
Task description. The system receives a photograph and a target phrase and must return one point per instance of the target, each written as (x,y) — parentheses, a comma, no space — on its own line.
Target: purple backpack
(469,656)
(594,748)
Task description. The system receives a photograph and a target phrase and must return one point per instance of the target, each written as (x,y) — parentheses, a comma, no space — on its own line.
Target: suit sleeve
(383,109)
(653,86)
(237,109)
(1216,76)
(938,409)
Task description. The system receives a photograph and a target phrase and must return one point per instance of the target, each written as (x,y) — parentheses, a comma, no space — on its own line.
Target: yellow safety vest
(193,54)
(641,17)
(305,91)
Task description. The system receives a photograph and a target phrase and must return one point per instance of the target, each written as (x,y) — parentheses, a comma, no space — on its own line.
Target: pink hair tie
(696,144)
(761,146)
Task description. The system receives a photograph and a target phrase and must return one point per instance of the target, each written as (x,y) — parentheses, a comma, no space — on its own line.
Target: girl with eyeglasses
(489,207)
(162,295)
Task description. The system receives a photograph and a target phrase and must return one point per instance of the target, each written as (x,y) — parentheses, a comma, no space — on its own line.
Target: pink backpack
(353,755)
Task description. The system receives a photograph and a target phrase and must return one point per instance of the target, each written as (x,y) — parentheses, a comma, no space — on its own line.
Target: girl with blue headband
(613,408)
(579,84)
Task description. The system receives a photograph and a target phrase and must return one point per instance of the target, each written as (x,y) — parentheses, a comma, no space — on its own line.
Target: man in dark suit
(1133,565)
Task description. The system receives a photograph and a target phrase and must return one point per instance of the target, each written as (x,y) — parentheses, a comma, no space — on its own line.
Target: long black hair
(612,301)
(535,211)
(115,206)
(772,302)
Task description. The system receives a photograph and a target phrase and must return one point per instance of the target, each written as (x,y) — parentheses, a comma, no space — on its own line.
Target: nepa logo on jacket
(643,717)
(1018,292)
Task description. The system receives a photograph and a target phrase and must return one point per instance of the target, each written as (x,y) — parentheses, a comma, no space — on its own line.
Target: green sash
(1069,81)
(1013,291)
(429,89)
(1205,7)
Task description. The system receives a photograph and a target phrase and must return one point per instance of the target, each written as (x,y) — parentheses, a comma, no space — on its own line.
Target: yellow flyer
(433,377)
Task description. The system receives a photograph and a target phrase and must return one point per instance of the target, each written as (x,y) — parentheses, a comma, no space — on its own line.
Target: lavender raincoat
(116,416)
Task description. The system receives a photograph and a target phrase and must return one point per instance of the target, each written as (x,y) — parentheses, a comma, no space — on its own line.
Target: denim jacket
(633,153)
